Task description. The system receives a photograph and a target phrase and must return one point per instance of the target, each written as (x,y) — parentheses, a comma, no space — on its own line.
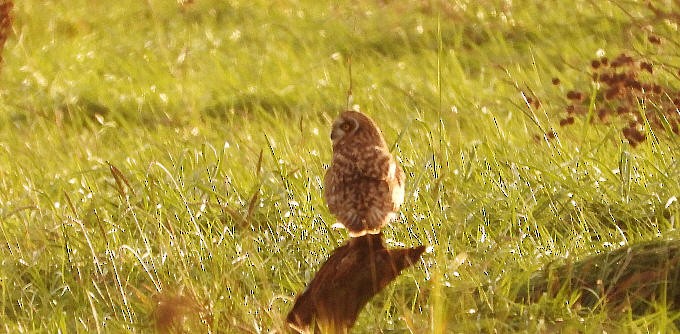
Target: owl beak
(336,134)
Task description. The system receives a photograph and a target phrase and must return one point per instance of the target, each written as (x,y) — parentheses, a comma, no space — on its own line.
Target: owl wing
(379,164)
(397,187)
(364,190)
(374,162)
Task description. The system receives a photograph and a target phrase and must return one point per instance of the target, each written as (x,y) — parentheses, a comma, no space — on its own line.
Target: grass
(164,161)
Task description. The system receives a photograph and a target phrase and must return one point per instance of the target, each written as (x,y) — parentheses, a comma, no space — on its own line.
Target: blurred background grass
(163,161)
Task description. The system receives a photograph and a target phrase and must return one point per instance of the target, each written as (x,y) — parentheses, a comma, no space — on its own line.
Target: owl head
(355,128)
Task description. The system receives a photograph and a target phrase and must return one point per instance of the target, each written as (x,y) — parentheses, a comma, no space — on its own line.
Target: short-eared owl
(364,186)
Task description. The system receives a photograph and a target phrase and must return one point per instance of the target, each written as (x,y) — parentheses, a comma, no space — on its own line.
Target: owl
(364,185)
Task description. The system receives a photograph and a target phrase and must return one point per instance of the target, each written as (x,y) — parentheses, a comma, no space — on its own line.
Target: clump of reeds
(630,278)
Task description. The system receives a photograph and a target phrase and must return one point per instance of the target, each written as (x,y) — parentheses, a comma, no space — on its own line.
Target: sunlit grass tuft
(161,164)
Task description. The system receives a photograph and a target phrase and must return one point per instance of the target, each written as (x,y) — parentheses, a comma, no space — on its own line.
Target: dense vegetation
(161,162)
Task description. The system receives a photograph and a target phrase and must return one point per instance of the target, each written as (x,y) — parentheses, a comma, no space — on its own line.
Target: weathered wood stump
(351,276)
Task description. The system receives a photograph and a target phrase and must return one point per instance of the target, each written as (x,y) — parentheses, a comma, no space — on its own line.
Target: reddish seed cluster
(534,102)
(629,96)
(654,39)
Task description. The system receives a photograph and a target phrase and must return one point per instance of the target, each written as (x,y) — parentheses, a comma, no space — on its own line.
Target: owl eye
(346,126)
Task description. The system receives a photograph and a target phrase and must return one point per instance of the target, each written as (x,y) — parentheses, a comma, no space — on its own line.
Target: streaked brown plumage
(364,186)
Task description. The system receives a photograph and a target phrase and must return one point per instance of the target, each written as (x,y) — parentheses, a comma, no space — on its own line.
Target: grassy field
(164,161)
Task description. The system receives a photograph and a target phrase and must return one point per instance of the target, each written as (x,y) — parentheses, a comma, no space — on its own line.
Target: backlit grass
(162,163)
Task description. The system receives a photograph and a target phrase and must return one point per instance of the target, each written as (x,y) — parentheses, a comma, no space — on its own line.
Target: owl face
(354,127)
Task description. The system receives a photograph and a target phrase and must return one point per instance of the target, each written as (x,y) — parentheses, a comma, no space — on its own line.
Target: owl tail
(356,232)
(360,222)
(361,233)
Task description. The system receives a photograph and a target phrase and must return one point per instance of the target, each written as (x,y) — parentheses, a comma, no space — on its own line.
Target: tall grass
(161,163)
